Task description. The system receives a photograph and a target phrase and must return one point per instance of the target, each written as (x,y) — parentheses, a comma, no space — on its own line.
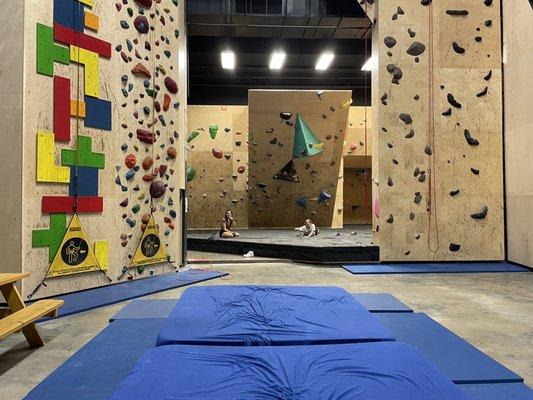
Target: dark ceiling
(254,37)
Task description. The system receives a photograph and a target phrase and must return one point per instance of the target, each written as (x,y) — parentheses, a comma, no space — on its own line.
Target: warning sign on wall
(150,249)
(75,255)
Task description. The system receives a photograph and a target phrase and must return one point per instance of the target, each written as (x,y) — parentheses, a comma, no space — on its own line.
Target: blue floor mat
(161,308)
(433,268)
(97,369)
(459,360)
(498,391)
(381,302)
(111,294)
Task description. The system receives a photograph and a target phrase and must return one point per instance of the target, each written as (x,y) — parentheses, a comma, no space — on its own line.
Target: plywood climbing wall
(439,130)
(312,184)
(101,132)
(518,31)
(218,165)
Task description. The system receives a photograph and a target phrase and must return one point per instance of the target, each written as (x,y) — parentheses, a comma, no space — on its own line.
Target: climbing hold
(488,23)
(390,42)
(288,173)
(482,214)
(483,92)
(389,182)
(124,203)
(217,153)
(141,24)
(171,85)
(457,12)
(474,171)
(130,160)
(454,193)
(396,72)
(191,173)
(166,102)
(130,222)
(418,198)
(145,136)
(410,134)
(172,153)
(471,141)
(157,189)
(488,76)
(193,135)
(488,3)
(302,202)
(390,220)
(411,32)
(140,69)
(406,118)
(425,2)
(454,247)
(144,3)
(213,130)
(428,151)
(416,49)
(384,99)
(147,163)
(323,196)
(285,116)
(135,209)
(458,49)
(447,113)
(452,101)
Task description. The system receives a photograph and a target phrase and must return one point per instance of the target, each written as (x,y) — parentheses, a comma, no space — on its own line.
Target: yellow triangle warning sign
(75,255)
(150,249)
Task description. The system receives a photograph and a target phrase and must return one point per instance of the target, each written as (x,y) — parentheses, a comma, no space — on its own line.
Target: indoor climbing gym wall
(295,151)
(217,169)
(518,59)
(357,154)
(439,130)
(102,148)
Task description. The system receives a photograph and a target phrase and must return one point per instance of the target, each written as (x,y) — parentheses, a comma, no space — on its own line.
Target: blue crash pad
(111,294)
(498,391)
(381,302)
(458,359)
(269,315)
(435,268)
(96,370)
(158,308)
(363,371)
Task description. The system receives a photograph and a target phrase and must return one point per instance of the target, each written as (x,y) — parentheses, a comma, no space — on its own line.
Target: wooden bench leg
(15,303)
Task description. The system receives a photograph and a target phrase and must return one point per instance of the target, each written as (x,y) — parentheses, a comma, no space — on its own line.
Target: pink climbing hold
(217,153)
(376,207)
(171,85)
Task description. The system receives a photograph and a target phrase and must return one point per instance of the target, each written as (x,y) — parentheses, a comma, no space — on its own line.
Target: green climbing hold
(213,130)
(175,2)
(306,144)
(135,209)
(191,173)
(193,135)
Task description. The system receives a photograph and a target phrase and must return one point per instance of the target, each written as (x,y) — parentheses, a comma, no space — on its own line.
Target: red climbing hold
(140,69)
(217,153)
(171,85)
(166,102)
(145,136)
(130,161)
(144,3)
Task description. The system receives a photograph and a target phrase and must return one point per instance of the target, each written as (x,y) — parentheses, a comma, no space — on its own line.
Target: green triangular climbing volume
(306,144)
(288,173)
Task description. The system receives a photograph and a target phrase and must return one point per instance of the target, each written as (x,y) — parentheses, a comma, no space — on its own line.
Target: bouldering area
(266,199)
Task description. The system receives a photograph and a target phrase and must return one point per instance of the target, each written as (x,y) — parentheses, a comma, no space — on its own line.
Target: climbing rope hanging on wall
(366,198)
(432,153)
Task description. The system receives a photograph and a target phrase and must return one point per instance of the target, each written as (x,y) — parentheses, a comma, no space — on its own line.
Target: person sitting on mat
(226,225)
(309,229)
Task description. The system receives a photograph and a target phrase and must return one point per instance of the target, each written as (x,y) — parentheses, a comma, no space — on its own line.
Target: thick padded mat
(269,315)
(458,359)
(433,268)
(363,371)
(498,391)
(381,302)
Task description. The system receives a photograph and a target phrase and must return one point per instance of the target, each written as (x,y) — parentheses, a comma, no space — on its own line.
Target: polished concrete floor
(492,311)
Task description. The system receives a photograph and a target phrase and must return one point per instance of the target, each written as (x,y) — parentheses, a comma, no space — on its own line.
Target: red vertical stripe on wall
(62,108)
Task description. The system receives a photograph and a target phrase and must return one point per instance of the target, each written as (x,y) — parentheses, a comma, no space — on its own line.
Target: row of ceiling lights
(277,59)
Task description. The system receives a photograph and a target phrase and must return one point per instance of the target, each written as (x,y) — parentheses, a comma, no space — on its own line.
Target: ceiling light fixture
(277,60)
(228,59)
(370,64)
(324,61)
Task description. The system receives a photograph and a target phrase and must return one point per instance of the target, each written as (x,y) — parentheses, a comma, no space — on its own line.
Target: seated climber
(225,226)
(309,229)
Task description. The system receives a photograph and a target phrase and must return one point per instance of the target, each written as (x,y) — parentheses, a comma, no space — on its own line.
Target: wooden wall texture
(438,114)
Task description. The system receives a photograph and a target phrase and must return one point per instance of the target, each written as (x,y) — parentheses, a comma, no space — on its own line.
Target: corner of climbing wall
(440,130)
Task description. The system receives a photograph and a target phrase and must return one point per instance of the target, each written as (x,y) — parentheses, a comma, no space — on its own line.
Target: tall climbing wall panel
(217,165)
(101,133)
(439,130)
(518,31)
(295,154)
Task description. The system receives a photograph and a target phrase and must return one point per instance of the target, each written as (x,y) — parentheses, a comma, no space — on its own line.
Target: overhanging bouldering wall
(295,153)
(439,130)
(217,165)
(518,31)
(101,137)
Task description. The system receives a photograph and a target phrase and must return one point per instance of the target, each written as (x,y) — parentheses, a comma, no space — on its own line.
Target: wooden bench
(23,317)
